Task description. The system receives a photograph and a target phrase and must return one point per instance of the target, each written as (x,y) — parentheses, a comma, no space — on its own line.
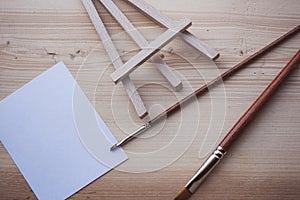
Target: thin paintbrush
(225,144)
(204,88)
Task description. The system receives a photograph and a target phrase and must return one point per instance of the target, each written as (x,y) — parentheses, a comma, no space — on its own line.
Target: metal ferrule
(140,130)
(131,136)
(205,169)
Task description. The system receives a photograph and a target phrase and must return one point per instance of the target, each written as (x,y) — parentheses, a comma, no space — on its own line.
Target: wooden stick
(142,43)
(204,88)
(149,51)
(115,58)
(188,37)
(260,101)
(236,130)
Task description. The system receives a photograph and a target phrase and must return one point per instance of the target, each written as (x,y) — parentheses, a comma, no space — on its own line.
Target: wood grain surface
(263,164)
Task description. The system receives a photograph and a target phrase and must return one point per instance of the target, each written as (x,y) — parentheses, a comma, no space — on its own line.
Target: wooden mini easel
(148,50)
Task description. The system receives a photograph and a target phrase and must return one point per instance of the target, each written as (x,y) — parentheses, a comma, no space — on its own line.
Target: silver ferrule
(140,130)
(132,136)
(205,169)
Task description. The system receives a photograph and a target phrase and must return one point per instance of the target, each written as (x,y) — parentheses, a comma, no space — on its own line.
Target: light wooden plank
(142,43)
(259,166)
(115,58)
(149,51)
(188,37)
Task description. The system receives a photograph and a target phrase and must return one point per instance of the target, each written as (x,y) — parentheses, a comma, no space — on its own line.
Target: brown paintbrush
(225,144)
(204,88)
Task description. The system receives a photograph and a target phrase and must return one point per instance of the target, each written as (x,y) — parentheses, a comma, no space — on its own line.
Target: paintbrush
(204,88)
(225,144)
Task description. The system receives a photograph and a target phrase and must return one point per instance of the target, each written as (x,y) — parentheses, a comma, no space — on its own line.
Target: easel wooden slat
(114,56)
(188,37)
(150,50)
(164,69)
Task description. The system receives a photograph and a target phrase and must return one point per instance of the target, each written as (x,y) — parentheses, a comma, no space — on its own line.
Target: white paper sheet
(54,135)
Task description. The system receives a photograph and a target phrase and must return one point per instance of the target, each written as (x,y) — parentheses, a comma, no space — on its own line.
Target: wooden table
(263,164)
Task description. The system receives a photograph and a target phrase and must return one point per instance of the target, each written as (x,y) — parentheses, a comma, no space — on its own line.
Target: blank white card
(54,135)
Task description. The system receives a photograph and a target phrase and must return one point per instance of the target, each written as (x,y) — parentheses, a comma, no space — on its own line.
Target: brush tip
(184,194)
(114,147)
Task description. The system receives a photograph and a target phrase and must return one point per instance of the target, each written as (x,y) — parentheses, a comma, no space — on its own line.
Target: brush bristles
(184,194)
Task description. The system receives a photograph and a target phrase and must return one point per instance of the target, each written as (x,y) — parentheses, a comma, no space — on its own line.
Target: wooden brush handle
(259,102)
(168,112)
(226,74)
